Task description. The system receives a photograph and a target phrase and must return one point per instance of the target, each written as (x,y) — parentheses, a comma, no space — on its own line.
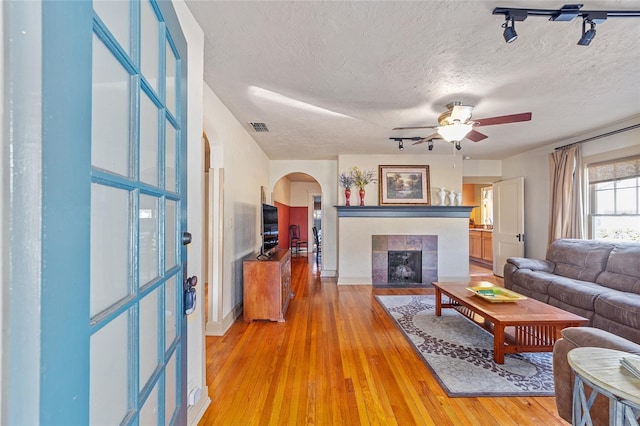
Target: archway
(298,197)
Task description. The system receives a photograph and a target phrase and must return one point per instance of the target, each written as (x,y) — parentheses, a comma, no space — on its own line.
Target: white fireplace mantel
(405,211)
(356,225)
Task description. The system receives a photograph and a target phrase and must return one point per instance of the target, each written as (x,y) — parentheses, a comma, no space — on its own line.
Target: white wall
(482,171)
(246,168)
(281,192)
(300,193)
(534,167)
(445,171)
(196,366)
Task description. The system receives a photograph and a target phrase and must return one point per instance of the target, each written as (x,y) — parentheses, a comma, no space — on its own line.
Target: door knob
(190,294)
(186,238)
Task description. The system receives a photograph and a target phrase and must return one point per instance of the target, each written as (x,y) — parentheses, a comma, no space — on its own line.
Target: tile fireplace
(404,260)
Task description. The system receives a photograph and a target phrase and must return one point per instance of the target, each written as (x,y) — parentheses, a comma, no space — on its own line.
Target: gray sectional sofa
(598,280)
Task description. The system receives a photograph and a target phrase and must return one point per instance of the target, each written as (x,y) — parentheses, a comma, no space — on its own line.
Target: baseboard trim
(328,273)
(219,328)
(354,281)
(195,412)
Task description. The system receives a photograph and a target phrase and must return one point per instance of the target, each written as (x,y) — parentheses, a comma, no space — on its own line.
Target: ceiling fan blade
(427,139)
(412,128)
(461,113)
(475,136)
(504,119)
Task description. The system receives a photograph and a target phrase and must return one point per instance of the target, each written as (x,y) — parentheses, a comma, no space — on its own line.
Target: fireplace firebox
(404,260)
(405,267)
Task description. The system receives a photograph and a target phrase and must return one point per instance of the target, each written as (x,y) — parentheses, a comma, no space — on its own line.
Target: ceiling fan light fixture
(430,145)
(400,145)
(458,146)
(454,132)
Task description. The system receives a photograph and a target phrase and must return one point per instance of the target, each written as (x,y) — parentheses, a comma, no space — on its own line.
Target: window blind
(613,170)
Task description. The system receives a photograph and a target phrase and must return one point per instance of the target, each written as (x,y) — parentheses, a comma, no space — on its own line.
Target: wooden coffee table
(521,326)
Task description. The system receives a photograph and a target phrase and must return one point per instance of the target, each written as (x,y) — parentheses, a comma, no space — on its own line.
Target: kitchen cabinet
(481,245)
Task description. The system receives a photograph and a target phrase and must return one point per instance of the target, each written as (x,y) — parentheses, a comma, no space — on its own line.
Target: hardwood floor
(339,359)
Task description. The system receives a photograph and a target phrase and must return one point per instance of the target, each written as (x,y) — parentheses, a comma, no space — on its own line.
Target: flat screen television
(269,229)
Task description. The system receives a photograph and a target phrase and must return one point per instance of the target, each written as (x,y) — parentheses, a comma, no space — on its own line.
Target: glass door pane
(136,217)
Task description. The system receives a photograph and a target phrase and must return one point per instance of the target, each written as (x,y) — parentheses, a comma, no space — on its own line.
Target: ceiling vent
(259,127)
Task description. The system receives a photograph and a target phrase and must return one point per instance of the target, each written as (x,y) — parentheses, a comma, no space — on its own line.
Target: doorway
(317,228)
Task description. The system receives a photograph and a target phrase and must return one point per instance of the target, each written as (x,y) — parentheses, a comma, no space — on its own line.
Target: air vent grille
(259,127)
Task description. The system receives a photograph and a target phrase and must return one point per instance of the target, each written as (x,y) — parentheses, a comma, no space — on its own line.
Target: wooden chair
(295,242)
(317,241)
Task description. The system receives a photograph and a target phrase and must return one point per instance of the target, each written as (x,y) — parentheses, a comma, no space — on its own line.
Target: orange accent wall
(283,225)
(291,216)
(299,216)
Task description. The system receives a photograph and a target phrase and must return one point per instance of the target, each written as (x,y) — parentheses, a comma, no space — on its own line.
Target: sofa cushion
(630,333)
(534,281)
(619,307)
(579,259)
(581,294)
(622,271)
(585,313)
(540,297)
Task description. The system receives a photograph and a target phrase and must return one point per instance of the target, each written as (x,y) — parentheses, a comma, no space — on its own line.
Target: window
(614,188)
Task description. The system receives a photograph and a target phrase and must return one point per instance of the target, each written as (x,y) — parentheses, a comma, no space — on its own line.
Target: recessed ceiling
(333,78)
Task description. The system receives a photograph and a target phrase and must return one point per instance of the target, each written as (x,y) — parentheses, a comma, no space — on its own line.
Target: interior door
(114,333)
(508,222)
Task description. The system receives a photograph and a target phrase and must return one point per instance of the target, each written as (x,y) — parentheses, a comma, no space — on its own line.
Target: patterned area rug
(460,353)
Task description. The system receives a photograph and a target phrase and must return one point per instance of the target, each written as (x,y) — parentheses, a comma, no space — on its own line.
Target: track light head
(509,32)
(430,145)
(458,146)
(587,36)
(567,13)
(401,145)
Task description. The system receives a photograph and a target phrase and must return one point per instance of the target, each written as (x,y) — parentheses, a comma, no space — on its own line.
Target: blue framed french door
(113,345)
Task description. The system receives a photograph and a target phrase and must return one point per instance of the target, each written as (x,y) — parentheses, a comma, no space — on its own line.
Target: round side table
(600,368)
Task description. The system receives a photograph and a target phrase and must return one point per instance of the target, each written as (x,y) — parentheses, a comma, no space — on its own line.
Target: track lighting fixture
(417,140)
(565,14)
(588,35)
(458,146)
(509,33)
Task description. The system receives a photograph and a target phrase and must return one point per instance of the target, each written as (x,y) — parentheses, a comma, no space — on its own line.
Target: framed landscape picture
(404,185)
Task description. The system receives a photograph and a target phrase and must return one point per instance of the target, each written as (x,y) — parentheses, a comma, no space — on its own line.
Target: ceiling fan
(456,124)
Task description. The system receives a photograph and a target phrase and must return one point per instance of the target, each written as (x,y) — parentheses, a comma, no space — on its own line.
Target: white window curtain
(566,190)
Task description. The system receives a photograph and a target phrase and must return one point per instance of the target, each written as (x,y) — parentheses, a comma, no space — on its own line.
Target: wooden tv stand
(267,286)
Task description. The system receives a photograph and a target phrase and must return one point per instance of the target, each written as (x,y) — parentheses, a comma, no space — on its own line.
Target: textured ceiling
(371,66)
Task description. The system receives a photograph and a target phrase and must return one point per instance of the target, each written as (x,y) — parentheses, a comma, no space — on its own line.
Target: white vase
(459,199)
(442,194)
(452,198)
